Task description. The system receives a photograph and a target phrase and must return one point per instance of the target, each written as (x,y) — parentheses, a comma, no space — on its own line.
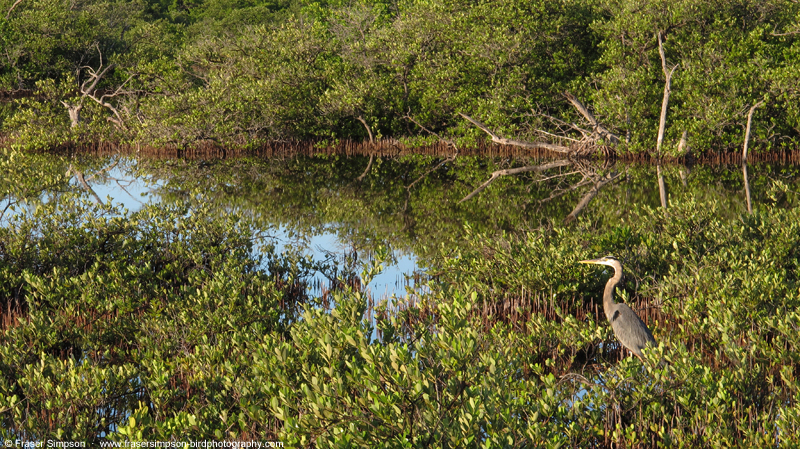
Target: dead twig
(561,123)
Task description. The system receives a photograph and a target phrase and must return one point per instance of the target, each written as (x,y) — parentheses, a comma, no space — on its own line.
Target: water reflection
(662,188)
(595,178)
(118,183)
(414,205)
(343,263)
(747,188)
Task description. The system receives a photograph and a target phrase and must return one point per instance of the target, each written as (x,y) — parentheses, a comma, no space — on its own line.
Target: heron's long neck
(608,294)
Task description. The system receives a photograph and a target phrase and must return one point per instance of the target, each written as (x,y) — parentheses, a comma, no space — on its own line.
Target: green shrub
(175,322)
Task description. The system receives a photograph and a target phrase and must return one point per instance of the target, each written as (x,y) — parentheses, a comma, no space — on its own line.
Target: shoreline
(395,148)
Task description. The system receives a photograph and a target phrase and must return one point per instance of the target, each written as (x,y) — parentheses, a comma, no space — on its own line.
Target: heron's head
(611,261)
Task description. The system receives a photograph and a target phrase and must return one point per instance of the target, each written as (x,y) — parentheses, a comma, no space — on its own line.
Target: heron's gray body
(629,329)
(634,337)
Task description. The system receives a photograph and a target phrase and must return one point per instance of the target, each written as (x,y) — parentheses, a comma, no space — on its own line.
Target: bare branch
(9,205)
(514,171)
(119,121)
(448,141)
(102,171)
(774,31)
(369,131)
(88,87)
(517,143)
(600,129)
(558,176)
(118,90)
(449,159)
(95,78)
(569,376)
(12,8)
(556,136)
(101,101)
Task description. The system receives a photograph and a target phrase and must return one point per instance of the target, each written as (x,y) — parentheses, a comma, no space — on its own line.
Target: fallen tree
(594,135)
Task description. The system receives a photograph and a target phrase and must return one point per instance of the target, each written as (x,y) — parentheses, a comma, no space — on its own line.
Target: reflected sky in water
(120,187)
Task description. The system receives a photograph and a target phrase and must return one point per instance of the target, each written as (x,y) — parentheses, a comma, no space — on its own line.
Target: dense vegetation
(174,322)
(184,73)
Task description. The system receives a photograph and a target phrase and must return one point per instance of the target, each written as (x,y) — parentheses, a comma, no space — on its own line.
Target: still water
(323,208)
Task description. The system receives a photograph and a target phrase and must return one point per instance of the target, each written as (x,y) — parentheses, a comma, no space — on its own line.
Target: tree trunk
(74,111)
(662,122)
(747,131)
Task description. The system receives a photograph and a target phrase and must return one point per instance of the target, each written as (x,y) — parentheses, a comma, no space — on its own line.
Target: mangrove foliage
(240,73)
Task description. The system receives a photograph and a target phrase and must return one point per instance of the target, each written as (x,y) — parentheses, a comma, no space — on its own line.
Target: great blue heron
(628,327)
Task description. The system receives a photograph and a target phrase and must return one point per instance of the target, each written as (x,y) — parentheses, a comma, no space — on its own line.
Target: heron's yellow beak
(591,261)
